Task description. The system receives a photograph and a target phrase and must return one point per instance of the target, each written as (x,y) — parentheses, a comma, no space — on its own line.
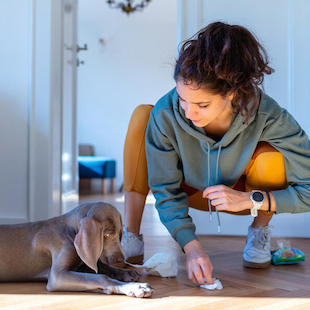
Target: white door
(53,183)
(283,28)
(38,165)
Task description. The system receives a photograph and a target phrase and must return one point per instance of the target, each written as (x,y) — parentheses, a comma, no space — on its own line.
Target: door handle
(79,48)
(79,62)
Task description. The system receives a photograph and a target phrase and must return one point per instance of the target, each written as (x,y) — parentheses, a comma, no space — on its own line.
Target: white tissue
(217,285)
(160,264)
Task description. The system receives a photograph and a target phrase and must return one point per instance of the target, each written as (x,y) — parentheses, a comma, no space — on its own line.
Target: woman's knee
(135,135)
(266,169)
(135,167)
(140,117)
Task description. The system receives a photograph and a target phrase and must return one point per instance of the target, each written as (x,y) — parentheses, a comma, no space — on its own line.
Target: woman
(215,142)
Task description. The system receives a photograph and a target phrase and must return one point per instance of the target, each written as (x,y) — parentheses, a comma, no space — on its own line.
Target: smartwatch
(257,197)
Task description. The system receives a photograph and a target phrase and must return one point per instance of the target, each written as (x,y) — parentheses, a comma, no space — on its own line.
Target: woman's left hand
(224,198)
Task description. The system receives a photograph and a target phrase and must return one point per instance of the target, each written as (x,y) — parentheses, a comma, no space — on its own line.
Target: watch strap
(269,203)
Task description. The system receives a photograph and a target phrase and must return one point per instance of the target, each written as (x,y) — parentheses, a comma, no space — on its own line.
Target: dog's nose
(116,258)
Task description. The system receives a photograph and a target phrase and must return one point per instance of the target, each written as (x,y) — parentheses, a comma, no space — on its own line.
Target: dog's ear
(89,241)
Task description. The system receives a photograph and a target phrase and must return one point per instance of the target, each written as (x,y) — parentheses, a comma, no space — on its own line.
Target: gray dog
(73,252)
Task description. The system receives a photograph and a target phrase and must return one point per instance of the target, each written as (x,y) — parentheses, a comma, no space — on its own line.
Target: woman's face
(201,106)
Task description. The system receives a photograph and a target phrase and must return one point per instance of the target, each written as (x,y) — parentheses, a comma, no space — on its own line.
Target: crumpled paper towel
(217,285)
(161,264)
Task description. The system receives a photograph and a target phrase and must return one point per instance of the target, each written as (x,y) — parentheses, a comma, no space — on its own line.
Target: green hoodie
(177,150)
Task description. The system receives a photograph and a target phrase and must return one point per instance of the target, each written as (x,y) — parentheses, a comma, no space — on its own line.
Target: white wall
(15,95)
(133,67)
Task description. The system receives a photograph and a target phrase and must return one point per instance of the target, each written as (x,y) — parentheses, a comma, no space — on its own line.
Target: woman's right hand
(198,263)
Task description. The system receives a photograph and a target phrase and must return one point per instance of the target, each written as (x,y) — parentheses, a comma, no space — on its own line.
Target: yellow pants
(265,171)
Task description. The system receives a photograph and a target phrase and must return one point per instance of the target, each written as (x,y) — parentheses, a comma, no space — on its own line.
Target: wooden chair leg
(85,186)
(104,186)
(112,185)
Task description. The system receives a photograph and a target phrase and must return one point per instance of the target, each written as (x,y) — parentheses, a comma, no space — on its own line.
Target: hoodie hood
(237,124)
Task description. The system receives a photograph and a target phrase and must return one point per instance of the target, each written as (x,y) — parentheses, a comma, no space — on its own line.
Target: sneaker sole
(256,265)
(138,260)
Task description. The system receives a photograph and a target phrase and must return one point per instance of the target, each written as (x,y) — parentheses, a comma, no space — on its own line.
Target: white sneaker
(256,253)
(133,247)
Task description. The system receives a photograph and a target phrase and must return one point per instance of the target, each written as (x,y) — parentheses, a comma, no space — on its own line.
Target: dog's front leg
(61,278)
(65,280)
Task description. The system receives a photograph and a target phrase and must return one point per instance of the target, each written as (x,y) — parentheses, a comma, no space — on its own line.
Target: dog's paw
(131,276)
(136,289)
(108,290)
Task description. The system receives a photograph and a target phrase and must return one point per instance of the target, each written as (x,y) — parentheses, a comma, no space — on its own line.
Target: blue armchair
(96,167)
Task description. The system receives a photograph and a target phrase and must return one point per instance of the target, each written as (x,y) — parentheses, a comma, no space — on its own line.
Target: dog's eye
(107,235)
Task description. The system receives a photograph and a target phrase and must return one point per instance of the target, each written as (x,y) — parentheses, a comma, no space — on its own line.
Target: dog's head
(99,236)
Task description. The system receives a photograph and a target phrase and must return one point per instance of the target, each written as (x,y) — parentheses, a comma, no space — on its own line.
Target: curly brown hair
(225,59)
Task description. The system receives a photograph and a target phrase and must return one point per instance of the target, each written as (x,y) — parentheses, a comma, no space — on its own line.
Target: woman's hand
(224,198)
(198,263)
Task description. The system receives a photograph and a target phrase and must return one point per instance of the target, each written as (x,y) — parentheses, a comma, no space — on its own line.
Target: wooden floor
(281,287)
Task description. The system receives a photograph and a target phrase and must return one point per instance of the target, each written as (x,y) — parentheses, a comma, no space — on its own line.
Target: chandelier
(128,6)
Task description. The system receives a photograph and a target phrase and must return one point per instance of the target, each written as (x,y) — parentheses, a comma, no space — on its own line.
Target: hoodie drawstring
(209,204)
(216,176)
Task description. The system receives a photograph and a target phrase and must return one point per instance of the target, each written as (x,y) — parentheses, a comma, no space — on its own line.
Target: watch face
(258,196)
